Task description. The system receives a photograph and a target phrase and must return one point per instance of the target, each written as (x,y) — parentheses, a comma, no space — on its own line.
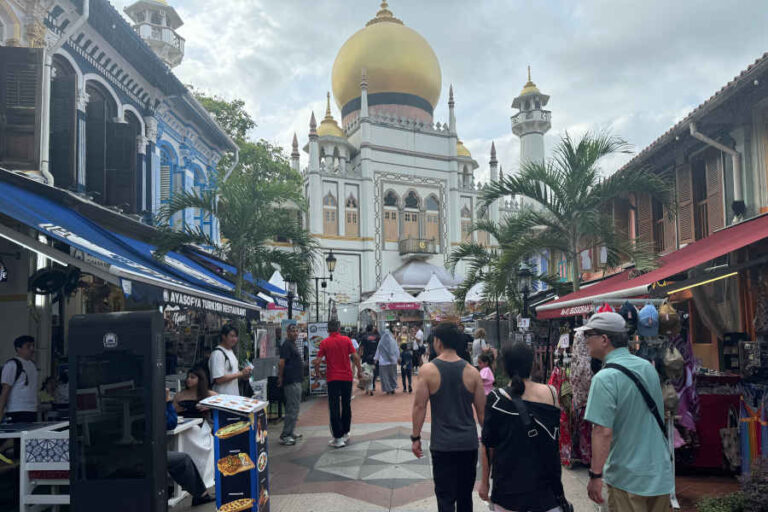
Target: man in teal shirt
(629,450)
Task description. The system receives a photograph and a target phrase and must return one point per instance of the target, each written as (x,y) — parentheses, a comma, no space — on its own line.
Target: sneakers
(345,437)
(338,443)
(297,436)
(287,441)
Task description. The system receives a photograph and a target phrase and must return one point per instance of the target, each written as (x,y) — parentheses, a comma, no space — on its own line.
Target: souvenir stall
(437,301)
(391,303)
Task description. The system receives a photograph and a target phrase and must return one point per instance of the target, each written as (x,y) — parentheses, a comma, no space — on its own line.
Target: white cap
(605,322)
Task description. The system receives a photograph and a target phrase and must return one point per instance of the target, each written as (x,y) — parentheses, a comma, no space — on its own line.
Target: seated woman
(520,438)
(186,401)
(197,442)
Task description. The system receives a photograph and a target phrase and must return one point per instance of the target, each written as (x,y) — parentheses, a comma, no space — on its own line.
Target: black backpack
(19,370)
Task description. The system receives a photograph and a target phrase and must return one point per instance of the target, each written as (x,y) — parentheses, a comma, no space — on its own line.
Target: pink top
(487,375)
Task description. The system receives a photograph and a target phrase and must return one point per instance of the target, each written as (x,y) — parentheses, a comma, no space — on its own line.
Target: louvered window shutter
(670,231)
(685,204)
(715,207)
(165,182)
(645,220)
(20,99)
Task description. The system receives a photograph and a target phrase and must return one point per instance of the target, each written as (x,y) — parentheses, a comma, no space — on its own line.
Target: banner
(317,383)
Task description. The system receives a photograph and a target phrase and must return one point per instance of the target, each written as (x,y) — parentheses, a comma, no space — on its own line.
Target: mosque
(391,190)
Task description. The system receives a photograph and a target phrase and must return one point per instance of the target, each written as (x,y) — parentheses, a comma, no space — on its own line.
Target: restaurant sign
(584,309)
(192,301)
(393,306)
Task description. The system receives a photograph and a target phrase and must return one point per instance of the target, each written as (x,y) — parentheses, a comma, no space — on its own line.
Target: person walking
(629,445)
(367,353)
(223,364)
(336,349)
(485,365)
(479,345)
(418,348)
(406,366)
(520,440)
(290,379)
(18,398)
(387,355)
(452,387)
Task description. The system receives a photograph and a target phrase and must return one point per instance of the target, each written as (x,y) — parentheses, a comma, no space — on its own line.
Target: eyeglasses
(590,334)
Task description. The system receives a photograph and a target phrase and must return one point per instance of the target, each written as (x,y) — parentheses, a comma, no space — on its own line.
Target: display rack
(240,450)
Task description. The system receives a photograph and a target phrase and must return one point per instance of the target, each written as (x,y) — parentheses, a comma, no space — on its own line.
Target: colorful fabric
(581,371)
(557,379)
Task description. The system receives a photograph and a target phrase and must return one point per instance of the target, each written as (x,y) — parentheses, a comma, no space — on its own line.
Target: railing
(537,115)
(418,246)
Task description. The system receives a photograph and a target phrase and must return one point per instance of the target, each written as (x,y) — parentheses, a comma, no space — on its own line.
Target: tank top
(453,422)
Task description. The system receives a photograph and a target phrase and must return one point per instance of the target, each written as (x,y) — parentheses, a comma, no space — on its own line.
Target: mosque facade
(390,189)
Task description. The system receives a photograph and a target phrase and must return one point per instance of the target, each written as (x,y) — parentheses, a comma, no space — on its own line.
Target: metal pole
(498,326)
(317,299)
(290,305)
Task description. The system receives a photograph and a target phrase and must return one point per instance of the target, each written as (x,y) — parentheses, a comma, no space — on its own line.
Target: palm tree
(495,267)
(573,204)
(252,214)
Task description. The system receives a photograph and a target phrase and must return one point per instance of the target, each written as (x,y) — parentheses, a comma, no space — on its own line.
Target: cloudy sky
(635,67)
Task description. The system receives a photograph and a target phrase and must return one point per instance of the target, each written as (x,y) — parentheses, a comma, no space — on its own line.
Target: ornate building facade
(92,106)
(389,189)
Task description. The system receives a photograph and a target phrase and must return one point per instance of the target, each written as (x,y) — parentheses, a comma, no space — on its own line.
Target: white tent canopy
(475,294)
(435,292)
(278,280)
(389,293)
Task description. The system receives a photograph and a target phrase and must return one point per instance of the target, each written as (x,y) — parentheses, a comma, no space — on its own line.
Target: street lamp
(290,296)
(524,274)
(330,263)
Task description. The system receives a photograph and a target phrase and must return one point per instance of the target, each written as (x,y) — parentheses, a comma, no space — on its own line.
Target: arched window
(330,215)
(466,224)
(432,219)
(99,134)
(63,133)
(391,217)
(352,225)
(411,216)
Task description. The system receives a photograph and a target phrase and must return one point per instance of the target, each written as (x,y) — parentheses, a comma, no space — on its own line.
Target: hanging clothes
(581,379)
(558,379)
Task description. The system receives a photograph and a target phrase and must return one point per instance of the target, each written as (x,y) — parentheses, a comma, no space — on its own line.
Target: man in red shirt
(336,349)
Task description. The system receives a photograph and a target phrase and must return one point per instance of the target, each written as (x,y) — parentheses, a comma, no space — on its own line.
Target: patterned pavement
(376,471)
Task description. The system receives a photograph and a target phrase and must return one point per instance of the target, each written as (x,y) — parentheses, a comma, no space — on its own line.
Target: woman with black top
(186,401)
(520,436)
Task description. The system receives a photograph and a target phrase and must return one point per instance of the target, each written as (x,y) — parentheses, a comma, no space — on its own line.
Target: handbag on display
(669,320)
(674,364)
(669,395)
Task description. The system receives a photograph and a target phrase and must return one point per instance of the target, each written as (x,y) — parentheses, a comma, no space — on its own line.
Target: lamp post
(524,278)
(330,263)
(290,296)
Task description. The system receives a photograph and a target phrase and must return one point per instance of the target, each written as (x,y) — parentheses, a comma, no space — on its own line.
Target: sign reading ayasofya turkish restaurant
(584,309)
(192,301)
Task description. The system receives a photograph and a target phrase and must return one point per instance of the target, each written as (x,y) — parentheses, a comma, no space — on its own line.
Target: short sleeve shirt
(292,372)
(336,349)
(223,362)
(23,395)
(639,460)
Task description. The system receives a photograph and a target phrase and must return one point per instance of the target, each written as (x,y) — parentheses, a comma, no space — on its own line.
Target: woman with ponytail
(520,439)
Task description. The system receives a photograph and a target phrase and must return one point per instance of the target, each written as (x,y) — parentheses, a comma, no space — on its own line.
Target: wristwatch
(594,476)
(415,438)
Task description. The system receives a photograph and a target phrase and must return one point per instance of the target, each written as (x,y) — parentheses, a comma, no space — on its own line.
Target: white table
(173,445)
(14,430)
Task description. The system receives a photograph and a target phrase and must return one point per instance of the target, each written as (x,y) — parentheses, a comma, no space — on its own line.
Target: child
(484,362)
(406,365)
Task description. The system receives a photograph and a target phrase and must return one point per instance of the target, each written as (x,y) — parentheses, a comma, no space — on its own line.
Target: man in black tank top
(452,387)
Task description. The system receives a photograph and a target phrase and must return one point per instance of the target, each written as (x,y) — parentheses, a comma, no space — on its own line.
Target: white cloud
(636,67)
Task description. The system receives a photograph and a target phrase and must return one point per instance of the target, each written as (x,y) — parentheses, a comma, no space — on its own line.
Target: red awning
(621,286)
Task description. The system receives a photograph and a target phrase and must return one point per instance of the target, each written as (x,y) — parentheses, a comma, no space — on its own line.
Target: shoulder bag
(646,396)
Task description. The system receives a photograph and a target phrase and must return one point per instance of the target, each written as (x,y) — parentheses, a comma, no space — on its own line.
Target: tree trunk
(576,267)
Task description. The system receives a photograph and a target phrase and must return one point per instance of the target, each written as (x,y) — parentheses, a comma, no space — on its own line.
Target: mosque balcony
(533,119)
(415,246)
(162,39)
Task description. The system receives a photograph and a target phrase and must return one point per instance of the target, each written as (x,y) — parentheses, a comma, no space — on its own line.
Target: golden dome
(328,125)
(529,87)
(396,59)
(461,149)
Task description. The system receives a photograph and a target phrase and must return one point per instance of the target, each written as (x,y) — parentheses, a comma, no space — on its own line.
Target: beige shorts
(622,501)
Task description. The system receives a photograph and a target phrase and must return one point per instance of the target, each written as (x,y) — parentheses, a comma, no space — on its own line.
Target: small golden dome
(461,149)
(529,87)
(396,58)
(328,125)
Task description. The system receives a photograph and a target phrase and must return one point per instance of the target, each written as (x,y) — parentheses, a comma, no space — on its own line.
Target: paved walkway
(376,471)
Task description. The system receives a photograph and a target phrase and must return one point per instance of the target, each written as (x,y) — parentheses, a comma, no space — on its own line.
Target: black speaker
(117,412)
